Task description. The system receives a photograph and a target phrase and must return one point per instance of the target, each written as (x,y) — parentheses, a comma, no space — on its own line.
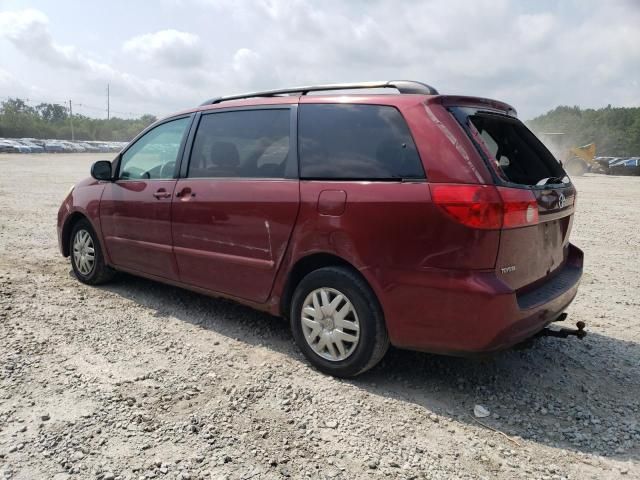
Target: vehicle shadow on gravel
(582,395)
(579,395)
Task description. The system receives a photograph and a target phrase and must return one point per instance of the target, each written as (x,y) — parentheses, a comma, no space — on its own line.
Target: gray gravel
(138,380)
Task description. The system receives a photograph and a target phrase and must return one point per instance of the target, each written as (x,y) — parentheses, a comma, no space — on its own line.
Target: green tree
(49,120)
(52,112)
(614,130)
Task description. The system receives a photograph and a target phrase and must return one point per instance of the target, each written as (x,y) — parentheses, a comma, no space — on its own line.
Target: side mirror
(101,170)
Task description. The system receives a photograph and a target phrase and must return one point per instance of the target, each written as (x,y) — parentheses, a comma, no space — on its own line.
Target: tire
(576,167)
(91,272)
(336,328)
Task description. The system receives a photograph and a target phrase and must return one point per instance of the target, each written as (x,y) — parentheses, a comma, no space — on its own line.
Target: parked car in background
(34,145)
(627,166)
(89,147)
(8,147)
(21,148)
(72,146)
(116,146)
(429,222)
(101,146)
(33,148)
(53,146)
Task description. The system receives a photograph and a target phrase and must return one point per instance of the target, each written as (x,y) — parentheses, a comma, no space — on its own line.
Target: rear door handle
(185,192)
(162,193)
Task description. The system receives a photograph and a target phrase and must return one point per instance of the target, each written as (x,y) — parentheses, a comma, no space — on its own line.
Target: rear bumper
(462,313)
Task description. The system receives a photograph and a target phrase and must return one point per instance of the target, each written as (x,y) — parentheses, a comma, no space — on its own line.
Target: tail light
(520,207)
(486,206)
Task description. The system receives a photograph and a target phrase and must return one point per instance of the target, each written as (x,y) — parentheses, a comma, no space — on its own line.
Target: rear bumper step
(564,280)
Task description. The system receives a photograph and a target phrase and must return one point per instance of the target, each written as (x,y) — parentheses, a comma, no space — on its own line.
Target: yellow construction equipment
(580,160)
(576,160)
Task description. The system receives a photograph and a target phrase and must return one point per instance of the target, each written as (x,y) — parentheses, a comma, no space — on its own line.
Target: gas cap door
(332,202)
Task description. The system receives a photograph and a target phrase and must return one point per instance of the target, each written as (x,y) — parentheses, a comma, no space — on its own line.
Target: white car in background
(19,147)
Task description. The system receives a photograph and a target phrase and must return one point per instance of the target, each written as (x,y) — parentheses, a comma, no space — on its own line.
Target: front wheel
(337,322)
(87,260)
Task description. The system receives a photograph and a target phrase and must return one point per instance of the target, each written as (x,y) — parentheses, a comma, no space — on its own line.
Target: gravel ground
(138,380)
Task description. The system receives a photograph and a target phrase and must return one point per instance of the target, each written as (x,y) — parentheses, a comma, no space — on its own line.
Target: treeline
(48,120)
(615,131)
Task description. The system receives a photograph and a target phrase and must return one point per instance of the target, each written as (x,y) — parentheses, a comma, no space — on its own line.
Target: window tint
(153,156)
(252,143)
(356,142)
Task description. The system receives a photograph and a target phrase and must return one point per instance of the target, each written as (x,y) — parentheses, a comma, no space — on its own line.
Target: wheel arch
(67,228)
(307,264)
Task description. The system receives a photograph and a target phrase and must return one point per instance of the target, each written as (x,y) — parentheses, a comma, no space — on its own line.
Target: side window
(246,144)
(356,142)
(153,156)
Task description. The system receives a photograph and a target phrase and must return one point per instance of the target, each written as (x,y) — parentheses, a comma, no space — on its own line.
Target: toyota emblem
(562,201)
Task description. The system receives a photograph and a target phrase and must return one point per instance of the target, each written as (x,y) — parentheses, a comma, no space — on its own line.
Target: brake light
(476,206)
(520,207)
(486,206)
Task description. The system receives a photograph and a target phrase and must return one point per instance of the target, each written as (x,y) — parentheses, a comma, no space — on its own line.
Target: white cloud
(532,55)
(534,59)
(28,30)
(171,47)
(534,29)
(6,79)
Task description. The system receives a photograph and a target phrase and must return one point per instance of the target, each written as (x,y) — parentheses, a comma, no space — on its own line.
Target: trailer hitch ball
(580,333)
(555,331)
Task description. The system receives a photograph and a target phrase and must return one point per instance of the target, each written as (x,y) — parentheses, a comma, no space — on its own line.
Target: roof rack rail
(403,86)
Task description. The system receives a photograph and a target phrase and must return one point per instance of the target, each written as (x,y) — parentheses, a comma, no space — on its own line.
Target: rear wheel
(87,260)
(337,322)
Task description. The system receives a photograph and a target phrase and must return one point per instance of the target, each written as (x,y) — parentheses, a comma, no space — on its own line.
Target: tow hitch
(561,332)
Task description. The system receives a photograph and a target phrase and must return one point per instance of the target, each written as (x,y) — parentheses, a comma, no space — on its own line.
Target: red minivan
(429,222)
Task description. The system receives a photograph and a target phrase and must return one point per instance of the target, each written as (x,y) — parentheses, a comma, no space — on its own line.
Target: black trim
(566,279)
(292,168)
(186,153)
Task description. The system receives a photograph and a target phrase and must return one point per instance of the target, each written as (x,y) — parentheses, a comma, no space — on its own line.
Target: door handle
(162,193)
(185,192)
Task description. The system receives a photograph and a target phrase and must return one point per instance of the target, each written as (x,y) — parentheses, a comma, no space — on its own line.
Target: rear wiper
(553,180)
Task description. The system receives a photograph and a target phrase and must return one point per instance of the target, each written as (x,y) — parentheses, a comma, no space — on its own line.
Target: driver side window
(154,155)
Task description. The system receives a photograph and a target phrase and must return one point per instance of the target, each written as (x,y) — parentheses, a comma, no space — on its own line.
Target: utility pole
(108,105)
(71,121)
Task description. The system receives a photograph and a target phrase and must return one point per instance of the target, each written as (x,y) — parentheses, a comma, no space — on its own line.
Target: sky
(166,55)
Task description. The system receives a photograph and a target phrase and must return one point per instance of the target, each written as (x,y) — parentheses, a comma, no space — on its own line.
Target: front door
(135,209)
(234,212)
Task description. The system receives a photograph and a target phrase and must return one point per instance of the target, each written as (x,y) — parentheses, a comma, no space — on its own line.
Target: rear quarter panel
(389,231)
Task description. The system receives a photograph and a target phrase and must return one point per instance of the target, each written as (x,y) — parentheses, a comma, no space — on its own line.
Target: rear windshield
(515,153)
(356,142)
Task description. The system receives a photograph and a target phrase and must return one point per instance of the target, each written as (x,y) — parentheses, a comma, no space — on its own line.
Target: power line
(65,104)
(71,121)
